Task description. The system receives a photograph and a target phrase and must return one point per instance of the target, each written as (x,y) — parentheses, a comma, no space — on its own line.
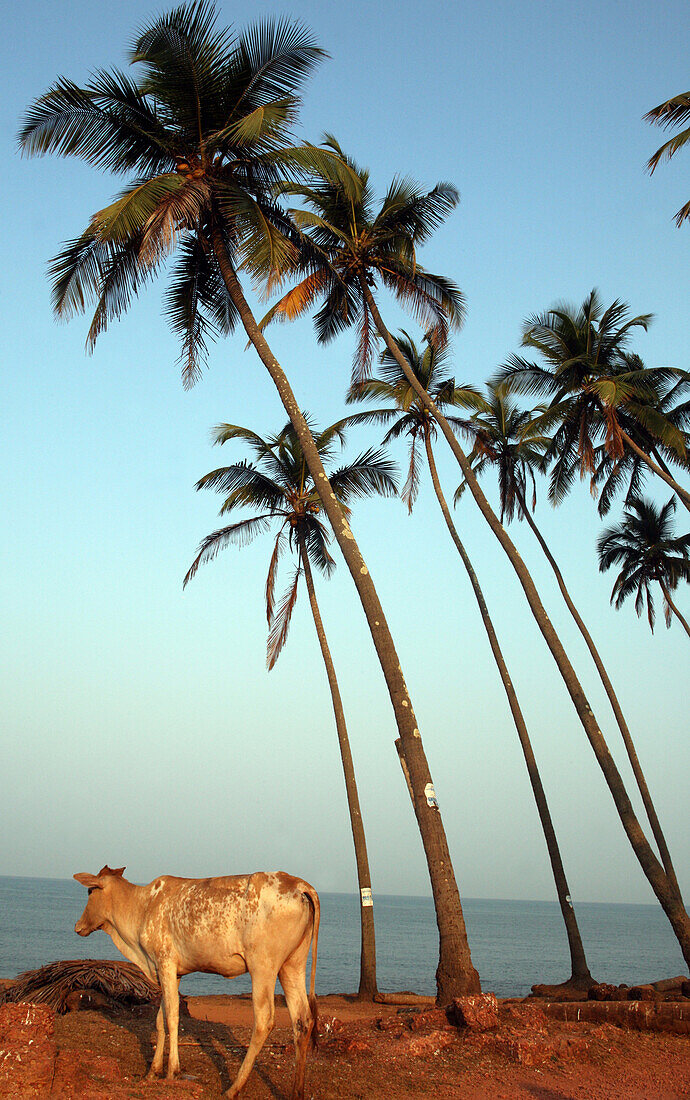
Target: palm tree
(407,416)
(352,250)
(669,400)
(673,112)
(205,133)
(644,546)
(505,438)
(280,489)
(588,381)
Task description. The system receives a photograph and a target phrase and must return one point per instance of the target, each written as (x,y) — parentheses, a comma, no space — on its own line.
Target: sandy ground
(378,1052)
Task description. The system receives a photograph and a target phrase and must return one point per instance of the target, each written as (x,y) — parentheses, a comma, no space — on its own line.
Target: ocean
(514,943)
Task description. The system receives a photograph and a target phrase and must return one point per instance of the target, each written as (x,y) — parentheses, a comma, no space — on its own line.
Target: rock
(527,1017)
(604,992)
(685,989)
(425,1046)
(528,1052)
(643,993)
(631,1015)
(478,1012)
(435,1020)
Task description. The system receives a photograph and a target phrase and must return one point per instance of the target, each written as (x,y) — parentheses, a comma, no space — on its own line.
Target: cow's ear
(91,882)
(119,872)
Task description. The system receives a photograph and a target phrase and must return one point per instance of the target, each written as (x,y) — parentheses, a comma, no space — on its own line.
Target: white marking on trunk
(430,795)
(367,899)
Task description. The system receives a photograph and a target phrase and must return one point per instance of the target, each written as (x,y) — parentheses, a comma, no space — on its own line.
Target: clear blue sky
(140,725)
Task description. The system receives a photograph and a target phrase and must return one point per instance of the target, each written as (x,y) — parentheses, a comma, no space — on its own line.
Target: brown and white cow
(260,923)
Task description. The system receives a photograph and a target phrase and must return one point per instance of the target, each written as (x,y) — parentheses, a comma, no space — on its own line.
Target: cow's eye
(90,889)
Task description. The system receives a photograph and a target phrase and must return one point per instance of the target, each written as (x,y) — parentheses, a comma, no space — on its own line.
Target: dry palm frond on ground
(52,984)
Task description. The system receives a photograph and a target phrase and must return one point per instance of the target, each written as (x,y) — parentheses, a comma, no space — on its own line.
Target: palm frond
(237,534)
(278,549)
(371,473)
(316,539)
(280,624)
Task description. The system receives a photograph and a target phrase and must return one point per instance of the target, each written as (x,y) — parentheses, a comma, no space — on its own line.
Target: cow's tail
(311,894)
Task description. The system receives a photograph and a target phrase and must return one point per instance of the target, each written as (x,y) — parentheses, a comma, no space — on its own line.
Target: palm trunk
(674,609)
(615,705)
(367,967)
(651,866)
(455,974)
(683,495)
(580,974)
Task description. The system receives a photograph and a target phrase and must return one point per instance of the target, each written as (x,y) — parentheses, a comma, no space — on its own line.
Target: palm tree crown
(673,112)
(406,413)
(587,380)
(204,133)
(280,488)
(661,404)
(644,546)
(503,437)
(356,244)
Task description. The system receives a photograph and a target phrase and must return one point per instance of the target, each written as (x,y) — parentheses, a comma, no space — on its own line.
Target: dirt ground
(377,1052)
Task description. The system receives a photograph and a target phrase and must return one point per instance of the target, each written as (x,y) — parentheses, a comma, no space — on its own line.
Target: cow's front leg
(170,984)
(156,1067)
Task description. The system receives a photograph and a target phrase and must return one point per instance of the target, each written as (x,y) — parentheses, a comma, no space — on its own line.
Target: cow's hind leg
(156,1066)
(292,979)
(263,990)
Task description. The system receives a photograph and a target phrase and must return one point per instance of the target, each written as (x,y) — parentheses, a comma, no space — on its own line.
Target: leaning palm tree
(587,381)
(673,112)
(205,135)
(668,399)
(283,494)
(405,415)
(353,248)
(648,553)
(506,440)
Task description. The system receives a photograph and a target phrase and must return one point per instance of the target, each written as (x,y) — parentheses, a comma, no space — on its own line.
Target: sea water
(514,943)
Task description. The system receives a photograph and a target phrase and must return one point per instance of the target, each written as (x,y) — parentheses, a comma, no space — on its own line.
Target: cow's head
(99,905)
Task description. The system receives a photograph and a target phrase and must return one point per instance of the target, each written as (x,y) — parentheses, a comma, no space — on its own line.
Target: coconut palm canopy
(668,398)
(587,380)
(644,546)
(281,489)
(505,438)
(203,131)
(674,112)
(405,413)
(356,244)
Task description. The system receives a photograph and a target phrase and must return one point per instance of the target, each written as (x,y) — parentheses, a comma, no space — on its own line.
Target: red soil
(377,1052)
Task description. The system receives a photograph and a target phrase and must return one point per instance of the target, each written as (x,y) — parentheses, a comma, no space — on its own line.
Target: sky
(140,724)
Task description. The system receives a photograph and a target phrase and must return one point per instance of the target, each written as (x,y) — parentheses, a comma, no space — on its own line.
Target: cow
(261,923)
